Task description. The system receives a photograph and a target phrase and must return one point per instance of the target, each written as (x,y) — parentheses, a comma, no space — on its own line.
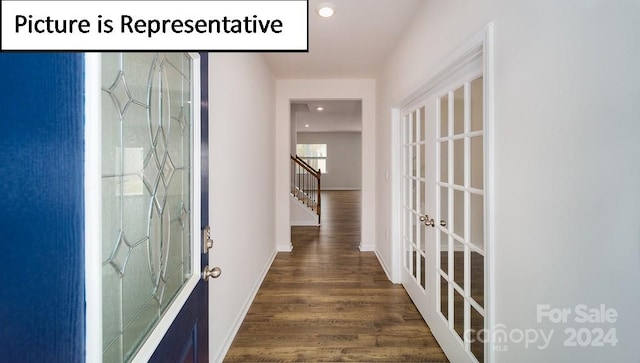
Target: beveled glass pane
(477,335)
(175,260)
(458,263)
(458,111)
(112,306)
(139,328)
(136,67)
(444,161)
(111,215)
(477,277)
(111,67)
(477,220)
(458,162)
(113,352)
(458,313)
(477,105)
(137,287)
(175,60)
(444,297)
(174,201)
(458,213)
(146,191)
(134,222)
(444,116)
(175,280)
(477,163)
(111,128)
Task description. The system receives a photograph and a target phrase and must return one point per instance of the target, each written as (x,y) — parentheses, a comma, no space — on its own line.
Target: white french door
(443,206)
(417,202)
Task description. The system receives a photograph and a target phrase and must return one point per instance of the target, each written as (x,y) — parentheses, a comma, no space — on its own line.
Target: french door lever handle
(429,222)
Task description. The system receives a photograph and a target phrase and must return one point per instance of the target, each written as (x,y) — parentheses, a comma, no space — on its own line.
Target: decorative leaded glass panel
(146,193)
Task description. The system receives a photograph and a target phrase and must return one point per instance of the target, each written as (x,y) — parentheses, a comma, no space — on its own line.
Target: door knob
(213,272)
(429,222)
(443,223)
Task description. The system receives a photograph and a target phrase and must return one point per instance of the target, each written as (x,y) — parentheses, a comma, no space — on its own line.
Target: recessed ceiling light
(307,125)
(326,10)
(319,108)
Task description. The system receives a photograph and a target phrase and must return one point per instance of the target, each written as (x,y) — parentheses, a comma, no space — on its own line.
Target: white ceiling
(354,43)
(336,116)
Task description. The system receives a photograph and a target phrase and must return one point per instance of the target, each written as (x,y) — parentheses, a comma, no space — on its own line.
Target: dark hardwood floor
(328,302)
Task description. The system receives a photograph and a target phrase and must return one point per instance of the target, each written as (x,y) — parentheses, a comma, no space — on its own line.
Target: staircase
(305,184)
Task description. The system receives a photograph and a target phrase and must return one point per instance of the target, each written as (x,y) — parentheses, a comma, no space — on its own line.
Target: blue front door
(42,208)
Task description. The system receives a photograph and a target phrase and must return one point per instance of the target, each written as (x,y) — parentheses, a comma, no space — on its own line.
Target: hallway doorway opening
(326,143)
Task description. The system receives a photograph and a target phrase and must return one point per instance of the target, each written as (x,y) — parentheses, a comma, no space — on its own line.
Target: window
(314,155)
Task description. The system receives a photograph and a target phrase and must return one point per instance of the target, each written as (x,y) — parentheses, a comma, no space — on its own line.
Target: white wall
(567,122)
(344,158)
(299,89)
(241,209)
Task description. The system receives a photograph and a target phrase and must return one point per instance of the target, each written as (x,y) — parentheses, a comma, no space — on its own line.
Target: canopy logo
(581,326)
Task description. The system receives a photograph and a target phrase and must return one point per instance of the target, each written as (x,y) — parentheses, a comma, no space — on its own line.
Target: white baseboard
(245,310)
(304,224)
(285,248)
(366,247)
(385,268)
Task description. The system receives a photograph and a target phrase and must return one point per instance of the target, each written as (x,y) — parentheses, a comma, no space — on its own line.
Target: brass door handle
(429,222)
(213,272)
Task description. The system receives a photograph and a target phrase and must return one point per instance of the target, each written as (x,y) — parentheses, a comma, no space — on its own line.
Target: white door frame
(479,46)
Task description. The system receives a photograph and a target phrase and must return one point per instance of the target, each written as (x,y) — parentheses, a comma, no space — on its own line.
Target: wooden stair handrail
(313,193)
(306,166)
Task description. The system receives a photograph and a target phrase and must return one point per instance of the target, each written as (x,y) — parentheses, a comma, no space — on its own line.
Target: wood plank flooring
(328,302)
